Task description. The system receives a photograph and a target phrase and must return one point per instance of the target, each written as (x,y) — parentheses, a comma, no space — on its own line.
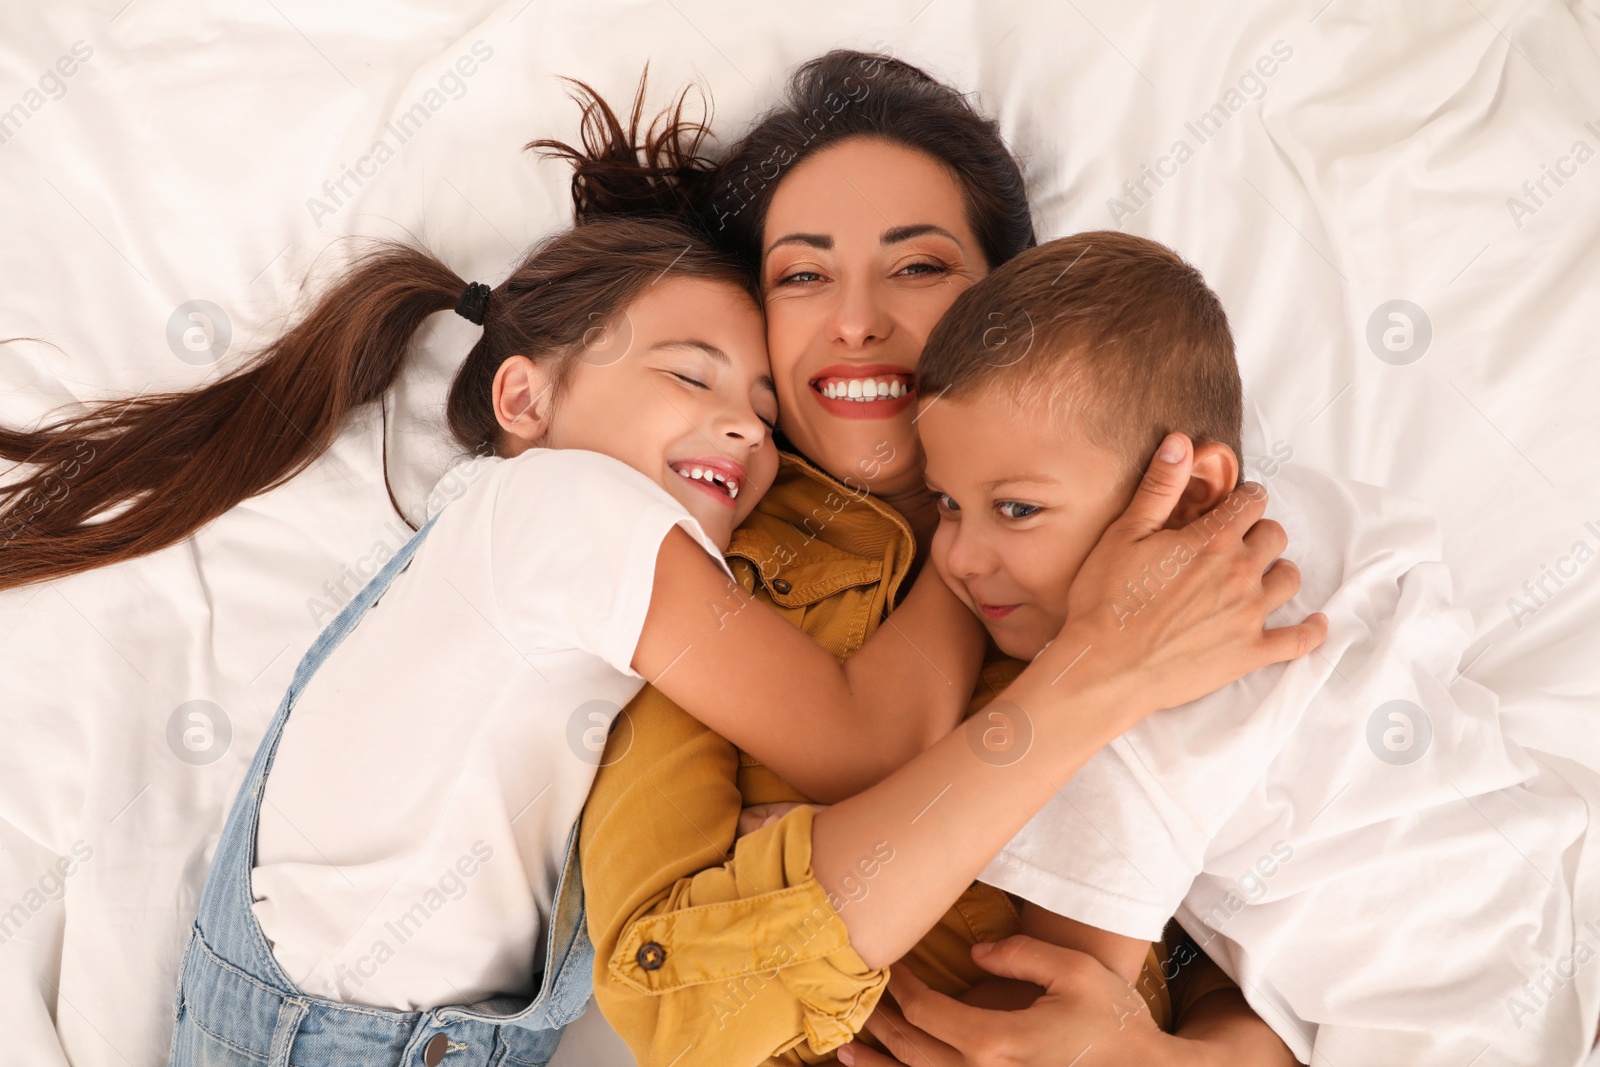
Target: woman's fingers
(908,1042)
(756,816)
(1160,488)
(1291,642)
(1280,584)
(1028,959)
(1265,541)
(855,1054)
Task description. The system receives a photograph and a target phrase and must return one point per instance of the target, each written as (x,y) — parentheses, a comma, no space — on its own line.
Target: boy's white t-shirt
(1350,835)
(417,812)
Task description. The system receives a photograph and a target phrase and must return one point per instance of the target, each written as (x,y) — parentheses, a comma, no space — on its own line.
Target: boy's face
(1022,501)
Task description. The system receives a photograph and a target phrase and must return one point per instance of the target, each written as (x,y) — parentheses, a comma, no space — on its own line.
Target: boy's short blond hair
(1113,328)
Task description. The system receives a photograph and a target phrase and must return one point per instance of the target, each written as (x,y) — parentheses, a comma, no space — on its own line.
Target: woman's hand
(756,816)
(1169,615)
(1087,1017)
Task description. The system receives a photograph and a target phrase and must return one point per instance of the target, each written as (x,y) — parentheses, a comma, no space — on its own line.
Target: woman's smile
(870,391)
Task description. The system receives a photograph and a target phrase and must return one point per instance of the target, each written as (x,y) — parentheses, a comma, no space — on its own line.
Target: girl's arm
(829,729)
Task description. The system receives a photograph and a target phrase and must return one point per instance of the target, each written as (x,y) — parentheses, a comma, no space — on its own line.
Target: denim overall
(235,1005)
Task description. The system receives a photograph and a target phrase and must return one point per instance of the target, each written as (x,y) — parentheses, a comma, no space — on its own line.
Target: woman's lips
(886,378)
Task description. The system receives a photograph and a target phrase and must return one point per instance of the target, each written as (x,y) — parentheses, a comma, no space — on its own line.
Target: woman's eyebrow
(905,233)
(893,235)
(810,240)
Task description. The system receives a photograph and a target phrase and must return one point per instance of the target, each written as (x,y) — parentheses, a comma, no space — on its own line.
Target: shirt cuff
(764,918)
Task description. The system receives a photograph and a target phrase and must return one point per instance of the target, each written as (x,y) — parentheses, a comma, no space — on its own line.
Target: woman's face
(865,245)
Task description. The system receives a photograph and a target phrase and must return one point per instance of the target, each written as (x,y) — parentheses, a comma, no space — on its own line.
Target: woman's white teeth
(864,388)
(706,474)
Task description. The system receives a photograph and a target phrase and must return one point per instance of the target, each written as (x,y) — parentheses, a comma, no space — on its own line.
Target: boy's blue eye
(1019,509)
(943,502)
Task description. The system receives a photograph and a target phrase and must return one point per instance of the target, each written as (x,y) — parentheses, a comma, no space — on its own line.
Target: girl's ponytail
(179,460)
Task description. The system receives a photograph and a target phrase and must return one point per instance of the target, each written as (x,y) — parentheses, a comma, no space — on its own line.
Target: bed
(1398,204)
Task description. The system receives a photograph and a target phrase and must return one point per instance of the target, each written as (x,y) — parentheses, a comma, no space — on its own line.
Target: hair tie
(474,302)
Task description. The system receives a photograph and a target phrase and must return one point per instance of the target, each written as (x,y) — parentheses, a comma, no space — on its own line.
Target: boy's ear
(523,390)
(1213,477)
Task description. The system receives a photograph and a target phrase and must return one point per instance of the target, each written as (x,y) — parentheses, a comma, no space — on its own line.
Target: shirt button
(780,586)
(433,1052)
(651,956)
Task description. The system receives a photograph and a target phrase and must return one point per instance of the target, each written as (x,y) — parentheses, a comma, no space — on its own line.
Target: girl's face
(677,386)
(865,245)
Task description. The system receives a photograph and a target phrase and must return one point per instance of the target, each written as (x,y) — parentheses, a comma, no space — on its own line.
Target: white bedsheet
(196,154)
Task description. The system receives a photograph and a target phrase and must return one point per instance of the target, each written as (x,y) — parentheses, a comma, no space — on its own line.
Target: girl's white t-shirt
(417,812)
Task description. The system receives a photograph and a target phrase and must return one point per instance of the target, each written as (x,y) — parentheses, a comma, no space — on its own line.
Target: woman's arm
(949,811)
(829,729)
(728,921)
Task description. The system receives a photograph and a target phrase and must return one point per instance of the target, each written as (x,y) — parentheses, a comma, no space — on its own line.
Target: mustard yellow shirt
(724,952)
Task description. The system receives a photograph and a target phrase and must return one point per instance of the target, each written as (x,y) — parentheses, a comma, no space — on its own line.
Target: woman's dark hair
(846,94)
(132,476)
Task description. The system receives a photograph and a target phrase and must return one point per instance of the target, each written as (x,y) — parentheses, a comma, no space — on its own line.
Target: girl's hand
(1169,615)
(756,816)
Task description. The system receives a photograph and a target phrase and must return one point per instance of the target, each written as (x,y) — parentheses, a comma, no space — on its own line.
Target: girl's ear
(1213,477)
(523,392)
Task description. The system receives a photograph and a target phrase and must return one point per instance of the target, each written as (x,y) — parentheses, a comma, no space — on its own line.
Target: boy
(1388,878)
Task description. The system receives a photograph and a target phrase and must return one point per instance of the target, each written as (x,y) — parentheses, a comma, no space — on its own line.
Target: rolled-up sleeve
(708,950)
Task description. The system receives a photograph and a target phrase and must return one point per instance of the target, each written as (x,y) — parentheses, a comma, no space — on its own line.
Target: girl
(382,900)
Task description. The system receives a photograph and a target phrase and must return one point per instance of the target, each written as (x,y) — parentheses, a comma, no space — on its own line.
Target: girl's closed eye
(695,382)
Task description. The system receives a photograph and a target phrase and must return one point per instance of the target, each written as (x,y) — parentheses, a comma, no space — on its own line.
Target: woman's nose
(859,317)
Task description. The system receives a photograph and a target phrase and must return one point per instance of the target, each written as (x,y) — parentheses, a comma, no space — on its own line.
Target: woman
(864,205)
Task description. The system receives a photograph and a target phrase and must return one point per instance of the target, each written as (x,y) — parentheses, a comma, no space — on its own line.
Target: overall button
(433,1052)
(651,956)
(780,586)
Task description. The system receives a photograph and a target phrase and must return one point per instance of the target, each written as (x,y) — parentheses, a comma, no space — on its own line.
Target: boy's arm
(829,729)
(1221,1030)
